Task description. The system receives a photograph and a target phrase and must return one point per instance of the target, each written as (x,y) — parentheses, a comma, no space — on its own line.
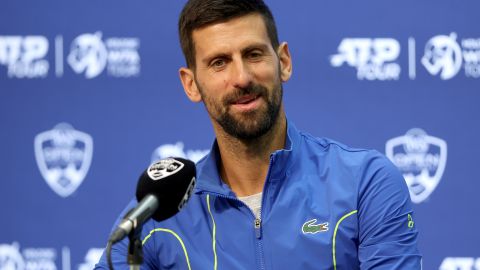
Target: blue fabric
(358,191)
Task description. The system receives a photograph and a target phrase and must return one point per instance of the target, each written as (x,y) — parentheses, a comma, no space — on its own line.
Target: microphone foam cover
(171,180)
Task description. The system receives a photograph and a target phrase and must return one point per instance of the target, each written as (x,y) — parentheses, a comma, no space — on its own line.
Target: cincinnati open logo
(63,156)
(422,160)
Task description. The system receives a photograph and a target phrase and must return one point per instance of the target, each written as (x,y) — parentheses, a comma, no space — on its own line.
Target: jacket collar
(208,177)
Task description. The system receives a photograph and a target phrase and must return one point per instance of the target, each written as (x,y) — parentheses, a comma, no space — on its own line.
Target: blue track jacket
(324,206)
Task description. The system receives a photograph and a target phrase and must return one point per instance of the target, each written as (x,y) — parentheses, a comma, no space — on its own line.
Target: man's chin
(248,127)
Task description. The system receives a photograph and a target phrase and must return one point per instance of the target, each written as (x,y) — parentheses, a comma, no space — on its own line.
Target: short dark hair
(200,13)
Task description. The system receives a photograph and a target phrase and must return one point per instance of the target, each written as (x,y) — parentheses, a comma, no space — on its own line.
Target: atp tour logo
(443,56)
(29,259)
(374,59)
(177,150)
(88,55)
(421,158)
(378,58)
(63,156)
(25,56)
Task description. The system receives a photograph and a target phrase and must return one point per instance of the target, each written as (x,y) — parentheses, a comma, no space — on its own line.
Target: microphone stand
(135,251)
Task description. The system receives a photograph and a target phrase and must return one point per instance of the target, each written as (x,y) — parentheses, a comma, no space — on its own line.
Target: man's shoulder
(333,147)
(333,153)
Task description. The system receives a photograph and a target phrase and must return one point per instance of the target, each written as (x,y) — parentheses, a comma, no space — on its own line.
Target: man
(267,195)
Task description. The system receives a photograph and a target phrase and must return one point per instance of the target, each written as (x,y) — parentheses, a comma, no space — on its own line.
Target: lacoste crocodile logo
(311,227)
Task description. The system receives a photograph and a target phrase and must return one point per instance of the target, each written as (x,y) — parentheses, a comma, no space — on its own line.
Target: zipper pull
(258,228)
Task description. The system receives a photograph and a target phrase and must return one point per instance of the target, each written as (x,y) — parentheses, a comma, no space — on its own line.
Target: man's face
(237,75)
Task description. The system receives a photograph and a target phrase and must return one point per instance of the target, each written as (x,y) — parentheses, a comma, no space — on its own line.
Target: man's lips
(246,103)
(245,99)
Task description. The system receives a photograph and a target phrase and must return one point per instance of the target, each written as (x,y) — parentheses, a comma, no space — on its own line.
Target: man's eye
(218,63)
(254,55)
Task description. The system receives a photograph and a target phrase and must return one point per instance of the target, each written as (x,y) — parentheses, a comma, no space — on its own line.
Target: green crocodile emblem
(311,227)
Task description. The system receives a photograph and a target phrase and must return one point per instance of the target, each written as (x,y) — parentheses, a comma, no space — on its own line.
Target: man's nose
(241,74)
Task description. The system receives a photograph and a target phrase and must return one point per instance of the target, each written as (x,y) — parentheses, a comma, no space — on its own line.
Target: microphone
(162,190)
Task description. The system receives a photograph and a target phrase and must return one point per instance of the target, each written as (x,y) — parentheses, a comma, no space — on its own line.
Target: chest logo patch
(311,227)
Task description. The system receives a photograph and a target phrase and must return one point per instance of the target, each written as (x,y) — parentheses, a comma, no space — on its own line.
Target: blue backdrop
(89,95)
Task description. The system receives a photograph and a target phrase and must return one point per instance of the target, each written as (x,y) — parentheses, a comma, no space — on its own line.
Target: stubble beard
(247,126)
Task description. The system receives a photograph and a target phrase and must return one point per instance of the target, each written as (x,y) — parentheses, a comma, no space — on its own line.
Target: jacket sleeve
(387,229)
(120,250)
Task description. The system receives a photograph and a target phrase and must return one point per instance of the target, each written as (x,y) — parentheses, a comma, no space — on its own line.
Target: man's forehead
(253,16)
(237,32)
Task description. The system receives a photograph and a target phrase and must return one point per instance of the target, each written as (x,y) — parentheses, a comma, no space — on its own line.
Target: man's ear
(187,77)
(285,61)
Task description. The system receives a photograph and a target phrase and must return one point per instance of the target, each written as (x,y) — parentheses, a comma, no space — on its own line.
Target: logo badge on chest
(313,228)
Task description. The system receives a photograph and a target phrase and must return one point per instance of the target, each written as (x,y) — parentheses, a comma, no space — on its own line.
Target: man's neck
(244,164)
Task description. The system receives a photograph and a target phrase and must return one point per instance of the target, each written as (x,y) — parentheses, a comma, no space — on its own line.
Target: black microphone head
(171,180)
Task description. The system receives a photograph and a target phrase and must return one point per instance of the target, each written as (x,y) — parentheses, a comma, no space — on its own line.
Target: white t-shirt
(254,202)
